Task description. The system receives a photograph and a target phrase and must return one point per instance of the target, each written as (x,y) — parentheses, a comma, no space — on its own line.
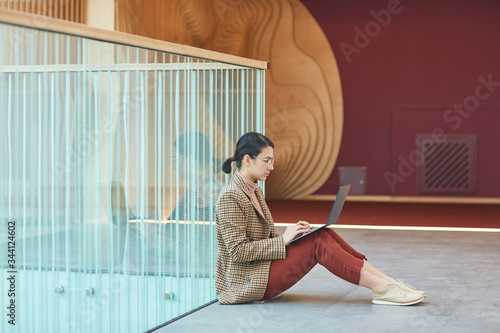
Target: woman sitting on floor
(255,263)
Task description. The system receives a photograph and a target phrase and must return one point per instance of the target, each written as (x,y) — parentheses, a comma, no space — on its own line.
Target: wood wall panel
(68,10)
(304,111)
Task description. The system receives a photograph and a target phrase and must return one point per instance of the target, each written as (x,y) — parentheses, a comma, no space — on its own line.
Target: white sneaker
(397,296)
(408,287)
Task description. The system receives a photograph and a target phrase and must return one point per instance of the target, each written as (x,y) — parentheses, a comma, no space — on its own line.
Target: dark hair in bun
(250,144)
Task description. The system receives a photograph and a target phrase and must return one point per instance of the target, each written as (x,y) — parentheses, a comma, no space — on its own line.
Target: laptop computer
(334,213)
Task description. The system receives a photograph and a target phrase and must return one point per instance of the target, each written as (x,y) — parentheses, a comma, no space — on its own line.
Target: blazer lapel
(263,204)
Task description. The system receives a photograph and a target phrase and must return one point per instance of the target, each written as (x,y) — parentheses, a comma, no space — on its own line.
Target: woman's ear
(246,160)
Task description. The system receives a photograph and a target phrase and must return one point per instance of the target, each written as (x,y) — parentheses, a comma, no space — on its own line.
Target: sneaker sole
(381,302)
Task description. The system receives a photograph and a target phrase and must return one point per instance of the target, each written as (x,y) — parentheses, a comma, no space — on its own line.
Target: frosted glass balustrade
(110,168)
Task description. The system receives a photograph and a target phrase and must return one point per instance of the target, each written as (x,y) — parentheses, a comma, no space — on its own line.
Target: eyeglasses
(269,161)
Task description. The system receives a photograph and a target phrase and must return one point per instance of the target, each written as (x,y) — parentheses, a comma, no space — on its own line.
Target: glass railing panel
(111,169)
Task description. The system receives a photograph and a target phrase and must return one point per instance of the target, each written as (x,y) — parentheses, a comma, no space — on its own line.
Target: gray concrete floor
(458,270)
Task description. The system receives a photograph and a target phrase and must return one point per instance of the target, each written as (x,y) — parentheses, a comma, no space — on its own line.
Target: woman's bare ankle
(380,289)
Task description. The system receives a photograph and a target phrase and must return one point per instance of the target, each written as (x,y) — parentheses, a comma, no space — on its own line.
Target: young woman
(255,263)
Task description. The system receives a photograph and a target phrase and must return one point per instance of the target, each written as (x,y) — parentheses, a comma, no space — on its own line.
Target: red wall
(427,58)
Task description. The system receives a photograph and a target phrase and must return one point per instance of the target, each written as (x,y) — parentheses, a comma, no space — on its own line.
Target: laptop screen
(338,204)
(335,212)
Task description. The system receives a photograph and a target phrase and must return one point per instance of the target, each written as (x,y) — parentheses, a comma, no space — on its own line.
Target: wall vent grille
(448,165)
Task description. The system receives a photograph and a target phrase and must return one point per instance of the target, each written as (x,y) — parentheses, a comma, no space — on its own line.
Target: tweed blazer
(247,243)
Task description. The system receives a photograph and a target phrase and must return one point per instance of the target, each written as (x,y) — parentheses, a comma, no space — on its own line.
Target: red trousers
(325,247)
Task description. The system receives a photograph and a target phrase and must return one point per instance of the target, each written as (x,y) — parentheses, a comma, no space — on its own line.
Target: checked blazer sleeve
(243,239)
